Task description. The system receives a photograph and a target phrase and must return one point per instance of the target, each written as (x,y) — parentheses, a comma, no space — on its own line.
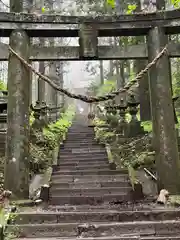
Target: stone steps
(91,184)
(84,160)
(80,130)
(82,150)
(89,172)
(94,178)
(98,216)
(89,199)
(144,205)
(88,191)
(79,144)
(82,164)
(81,167)
(80,137)
(99,229)
(113,238)
(92,202)
(88,155)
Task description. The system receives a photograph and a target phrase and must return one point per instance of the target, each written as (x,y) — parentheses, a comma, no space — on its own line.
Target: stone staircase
(89,200)
(83,175)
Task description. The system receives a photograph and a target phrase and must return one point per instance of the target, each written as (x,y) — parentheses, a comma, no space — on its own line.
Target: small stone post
(164,134)
(17,150)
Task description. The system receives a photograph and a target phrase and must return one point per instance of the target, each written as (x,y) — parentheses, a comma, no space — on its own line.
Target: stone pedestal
(134,127)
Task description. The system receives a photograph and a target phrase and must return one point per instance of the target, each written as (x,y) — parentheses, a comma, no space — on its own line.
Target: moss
(147,125)
(109,153)
(174,200)
(21,201)
(127,152)
(44,143)
(132,176)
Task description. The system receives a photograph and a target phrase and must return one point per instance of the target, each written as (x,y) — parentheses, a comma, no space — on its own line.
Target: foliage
(6,215)
(32,118)
(111,2)
(103,135)
(98,123)
(133,152)
(132,176)
(147,125)
(132,7)
(48,140)
(176,3)
(107,87)
(3,86)
(56,131)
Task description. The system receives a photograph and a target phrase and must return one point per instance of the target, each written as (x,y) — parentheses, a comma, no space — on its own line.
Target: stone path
(83,195)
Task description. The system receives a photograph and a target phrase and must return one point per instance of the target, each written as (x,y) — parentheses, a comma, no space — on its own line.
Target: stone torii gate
(20,27)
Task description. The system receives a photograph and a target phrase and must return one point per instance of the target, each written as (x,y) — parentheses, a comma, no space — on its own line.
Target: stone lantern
(122,124)
(134,129)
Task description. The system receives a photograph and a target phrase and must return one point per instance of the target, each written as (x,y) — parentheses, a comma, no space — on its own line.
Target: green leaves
(41,151)
(3,217)
(131,8)
(3,86)
(111,3)
(176,3)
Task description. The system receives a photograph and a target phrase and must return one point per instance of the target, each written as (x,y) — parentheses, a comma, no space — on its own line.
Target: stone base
(135,129)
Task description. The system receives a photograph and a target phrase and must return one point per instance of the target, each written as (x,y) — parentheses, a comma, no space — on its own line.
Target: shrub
(48,140)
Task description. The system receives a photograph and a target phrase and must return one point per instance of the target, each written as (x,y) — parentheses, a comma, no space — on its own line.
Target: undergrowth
(128,152)
(46,142)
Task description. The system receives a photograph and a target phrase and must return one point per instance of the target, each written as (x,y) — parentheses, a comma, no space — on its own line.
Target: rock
(163,197)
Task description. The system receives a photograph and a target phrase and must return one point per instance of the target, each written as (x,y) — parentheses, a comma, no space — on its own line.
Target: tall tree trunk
(101,68)
(144,98)
(111,65)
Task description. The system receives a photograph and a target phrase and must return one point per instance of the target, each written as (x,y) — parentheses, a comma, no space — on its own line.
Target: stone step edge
(100,212)
(92,176)
(118,171)
(130,237)
(77,164)
(97,224)
(90,155)
(89,196)
(91,189)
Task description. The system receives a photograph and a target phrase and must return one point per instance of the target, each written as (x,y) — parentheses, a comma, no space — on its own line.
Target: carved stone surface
(51,25)
(88,41)
(164,139)
(57,18)
(38,53)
